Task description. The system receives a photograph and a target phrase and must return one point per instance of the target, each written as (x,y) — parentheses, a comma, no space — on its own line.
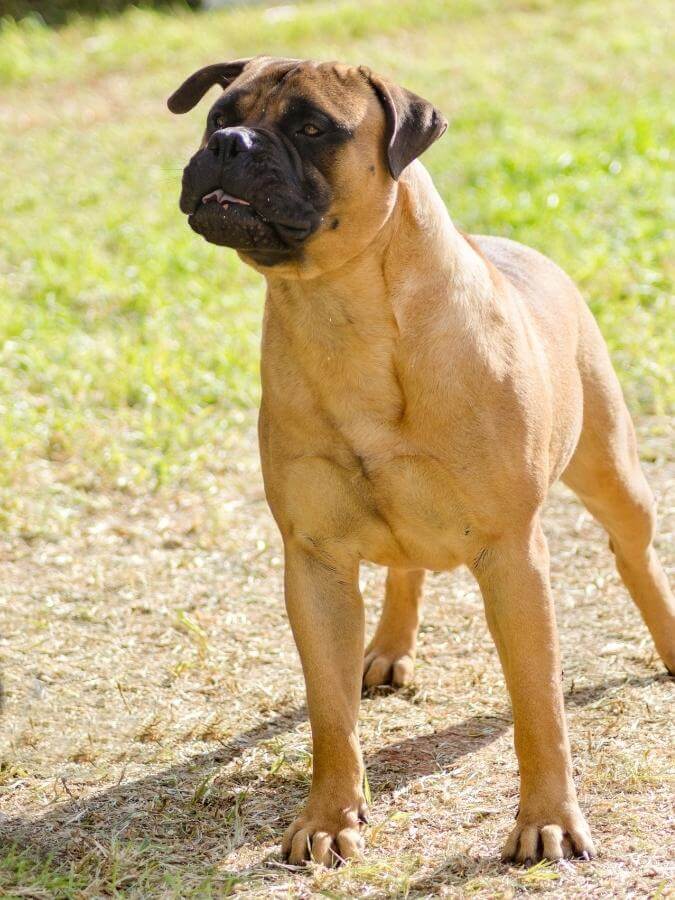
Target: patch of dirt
(154,720)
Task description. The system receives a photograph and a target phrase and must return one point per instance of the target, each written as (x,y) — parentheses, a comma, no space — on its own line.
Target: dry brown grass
(155,741)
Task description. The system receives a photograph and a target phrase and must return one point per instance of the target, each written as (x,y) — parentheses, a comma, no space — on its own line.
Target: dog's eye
(310,130)
(220,121)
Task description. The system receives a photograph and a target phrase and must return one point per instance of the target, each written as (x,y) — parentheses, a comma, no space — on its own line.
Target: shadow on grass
(188,818)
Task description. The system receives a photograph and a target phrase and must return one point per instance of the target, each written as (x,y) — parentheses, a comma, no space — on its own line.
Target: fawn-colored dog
(422,389)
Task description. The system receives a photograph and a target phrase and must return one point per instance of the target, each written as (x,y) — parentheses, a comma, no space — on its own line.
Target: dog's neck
(389,280)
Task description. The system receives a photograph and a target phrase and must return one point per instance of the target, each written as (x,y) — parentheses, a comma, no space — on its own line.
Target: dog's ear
(413,124)
(193,88)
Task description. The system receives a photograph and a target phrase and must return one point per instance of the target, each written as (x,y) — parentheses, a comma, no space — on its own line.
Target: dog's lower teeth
(224,199)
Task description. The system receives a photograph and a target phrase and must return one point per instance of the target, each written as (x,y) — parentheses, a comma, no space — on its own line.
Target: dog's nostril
(232,148)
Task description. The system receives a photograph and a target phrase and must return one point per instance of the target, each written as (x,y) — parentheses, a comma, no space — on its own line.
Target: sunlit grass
(128,346)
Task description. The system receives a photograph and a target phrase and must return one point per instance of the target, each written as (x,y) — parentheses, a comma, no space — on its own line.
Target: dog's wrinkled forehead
(271,88)
(262,90)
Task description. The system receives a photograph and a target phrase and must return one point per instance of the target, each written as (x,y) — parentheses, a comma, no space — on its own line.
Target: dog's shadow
(193,817)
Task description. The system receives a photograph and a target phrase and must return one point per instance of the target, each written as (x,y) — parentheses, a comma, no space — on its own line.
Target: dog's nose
(226,143)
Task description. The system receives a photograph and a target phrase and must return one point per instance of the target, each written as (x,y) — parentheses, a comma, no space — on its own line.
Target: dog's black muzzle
(245,189)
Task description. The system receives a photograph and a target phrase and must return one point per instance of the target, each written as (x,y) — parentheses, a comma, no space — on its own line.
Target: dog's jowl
(421,390)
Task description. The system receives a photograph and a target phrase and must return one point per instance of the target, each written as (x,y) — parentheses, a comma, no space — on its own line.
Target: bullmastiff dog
(421,391)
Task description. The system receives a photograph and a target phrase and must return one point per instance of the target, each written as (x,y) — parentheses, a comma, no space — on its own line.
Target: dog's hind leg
(390,656)
(605,473)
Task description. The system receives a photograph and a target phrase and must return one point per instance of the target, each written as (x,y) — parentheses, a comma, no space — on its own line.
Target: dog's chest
(397,503)
(352,453)
(411,500)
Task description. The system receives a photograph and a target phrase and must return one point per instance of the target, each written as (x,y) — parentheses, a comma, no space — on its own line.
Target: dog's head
(299,160)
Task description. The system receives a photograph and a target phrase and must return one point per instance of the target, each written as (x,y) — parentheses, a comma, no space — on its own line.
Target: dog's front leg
(514,579)
(326,613)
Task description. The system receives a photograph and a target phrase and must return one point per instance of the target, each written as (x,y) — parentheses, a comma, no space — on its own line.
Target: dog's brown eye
(310,130)
(220,121)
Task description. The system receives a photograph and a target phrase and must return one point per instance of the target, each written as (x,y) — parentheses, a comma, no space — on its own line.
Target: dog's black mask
(247,189)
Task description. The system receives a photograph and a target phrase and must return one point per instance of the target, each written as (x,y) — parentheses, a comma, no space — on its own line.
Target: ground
(157,743)
(154,741)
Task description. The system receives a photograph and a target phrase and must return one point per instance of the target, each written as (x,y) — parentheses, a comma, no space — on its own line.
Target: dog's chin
(240,228)
(235,226)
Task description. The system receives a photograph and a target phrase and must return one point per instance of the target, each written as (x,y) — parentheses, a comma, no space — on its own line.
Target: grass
(129,347)
(154,741)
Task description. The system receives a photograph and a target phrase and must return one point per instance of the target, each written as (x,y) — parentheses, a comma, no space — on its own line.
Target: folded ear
(413,124)
(193,88)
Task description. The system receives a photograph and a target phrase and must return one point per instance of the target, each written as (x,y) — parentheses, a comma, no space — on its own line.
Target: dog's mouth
(224,199)
(227,219)
(289,229)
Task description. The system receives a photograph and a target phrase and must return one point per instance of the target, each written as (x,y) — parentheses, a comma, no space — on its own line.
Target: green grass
(118,870)
(21,871)
(128,346)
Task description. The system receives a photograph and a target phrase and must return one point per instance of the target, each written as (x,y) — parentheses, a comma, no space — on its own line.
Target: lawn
(128,346)
(130,506)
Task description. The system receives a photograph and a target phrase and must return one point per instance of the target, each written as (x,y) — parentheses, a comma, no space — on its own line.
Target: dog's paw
(382,665)
(560,834)
(329,840)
